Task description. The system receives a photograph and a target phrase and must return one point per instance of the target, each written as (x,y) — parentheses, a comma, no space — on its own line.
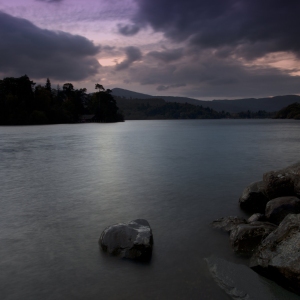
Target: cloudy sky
(205,49)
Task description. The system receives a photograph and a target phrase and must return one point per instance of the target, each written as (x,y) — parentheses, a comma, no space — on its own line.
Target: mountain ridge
(268,104)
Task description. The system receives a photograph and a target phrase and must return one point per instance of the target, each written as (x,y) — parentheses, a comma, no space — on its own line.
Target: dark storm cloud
(128,30)
(253,27)
(167,87)
(26,48)
(211,76)
(132,54)
(167,55)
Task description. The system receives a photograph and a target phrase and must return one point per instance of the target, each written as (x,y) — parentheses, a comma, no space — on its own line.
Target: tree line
(22,102)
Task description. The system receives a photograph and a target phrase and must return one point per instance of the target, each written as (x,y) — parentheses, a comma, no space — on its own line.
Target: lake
(61,185)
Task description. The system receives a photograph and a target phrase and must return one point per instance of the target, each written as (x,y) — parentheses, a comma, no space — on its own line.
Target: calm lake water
(61,185)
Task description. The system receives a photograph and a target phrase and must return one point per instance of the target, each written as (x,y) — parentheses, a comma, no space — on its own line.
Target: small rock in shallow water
(227,223)
(256,217)
(133,240)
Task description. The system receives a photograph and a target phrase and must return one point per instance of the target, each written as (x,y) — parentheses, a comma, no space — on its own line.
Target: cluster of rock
(133,240)
(271,236)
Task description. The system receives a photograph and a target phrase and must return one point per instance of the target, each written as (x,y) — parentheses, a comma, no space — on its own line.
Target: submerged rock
(228,223)
(278,256)
(245,238)
(284,182)
(133,240)
(254,198)
(241,283)
(278,208)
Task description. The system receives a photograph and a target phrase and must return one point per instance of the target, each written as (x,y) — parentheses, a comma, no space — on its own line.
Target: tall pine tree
(48,85)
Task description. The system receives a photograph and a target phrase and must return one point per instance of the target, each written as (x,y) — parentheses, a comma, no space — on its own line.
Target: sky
(203,49)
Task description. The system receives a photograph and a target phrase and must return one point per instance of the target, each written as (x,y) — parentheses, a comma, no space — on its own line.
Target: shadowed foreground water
(61,185)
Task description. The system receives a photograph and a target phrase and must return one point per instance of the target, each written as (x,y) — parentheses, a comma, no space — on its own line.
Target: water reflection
(62,185)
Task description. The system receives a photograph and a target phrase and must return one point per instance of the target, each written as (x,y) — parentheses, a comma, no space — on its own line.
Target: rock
(254,198)
(278,208)
(227,223)
(242,283)
(278,256)
(256,217)
(133,240)
(284,182)
(245,238)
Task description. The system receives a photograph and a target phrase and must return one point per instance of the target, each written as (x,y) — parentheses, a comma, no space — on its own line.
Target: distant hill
(271,104)
(134,95)
(130,94)
(159,109)
(290,112)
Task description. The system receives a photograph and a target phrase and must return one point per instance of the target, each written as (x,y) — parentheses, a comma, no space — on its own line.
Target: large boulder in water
(228,223)
(133,240)
(254,198)
(284,182)
(278,208)
(245,238)
(278,256)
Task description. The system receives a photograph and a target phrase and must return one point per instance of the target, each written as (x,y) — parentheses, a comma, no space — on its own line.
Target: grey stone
(245,238)
(133,240)
(278,256)
(278,208)
(242,283)
(227,223)
(256,217)
(284,182)
(254,198)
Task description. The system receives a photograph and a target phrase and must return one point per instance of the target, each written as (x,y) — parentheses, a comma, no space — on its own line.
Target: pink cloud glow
(191,58)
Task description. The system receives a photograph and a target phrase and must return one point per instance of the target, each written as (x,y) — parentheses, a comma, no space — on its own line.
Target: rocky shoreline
(271,235)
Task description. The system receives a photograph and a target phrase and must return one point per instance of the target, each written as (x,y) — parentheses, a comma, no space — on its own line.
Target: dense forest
(22,102)
(155,108)
(290,112)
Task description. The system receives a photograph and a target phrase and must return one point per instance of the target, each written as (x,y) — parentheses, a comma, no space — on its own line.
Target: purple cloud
(132,54)
(167,87)
(128,29)
(167,55)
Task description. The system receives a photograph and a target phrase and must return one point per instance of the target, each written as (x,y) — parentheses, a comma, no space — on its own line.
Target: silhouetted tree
(68,87)
(16,96)
(99,87)
(21,103)
(104,106)
(48,85)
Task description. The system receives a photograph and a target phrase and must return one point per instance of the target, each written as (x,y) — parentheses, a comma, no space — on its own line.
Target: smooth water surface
(61,185)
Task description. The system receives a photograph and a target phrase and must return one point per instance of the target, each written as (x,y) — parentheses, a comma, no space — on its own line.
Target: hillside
(130,94)
(270,104)
(290,112)
(159,109)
